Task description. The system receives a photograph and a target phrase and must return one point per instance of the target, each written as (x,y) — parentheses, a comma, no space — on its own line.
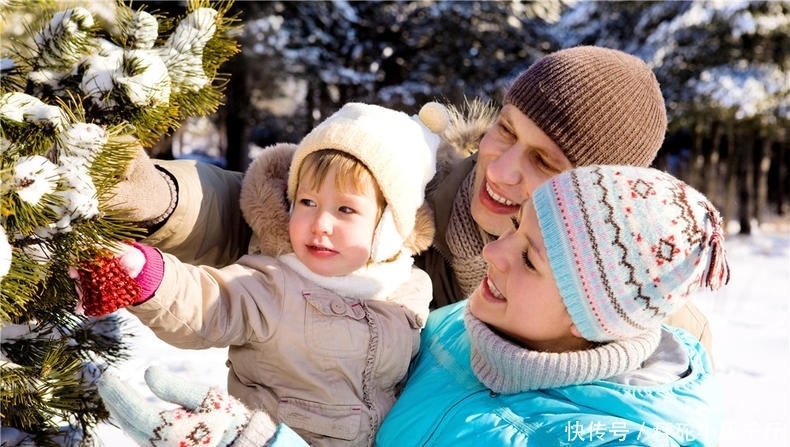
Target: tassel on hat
(628,246)
(718,273)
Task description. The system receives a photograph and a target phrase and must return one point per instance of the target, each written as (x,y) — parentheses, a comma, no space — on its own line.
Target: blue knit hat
(628,246)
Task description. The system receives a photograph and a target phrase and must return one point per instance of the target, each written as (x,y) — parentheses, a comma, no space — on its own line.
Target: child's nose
(322,224)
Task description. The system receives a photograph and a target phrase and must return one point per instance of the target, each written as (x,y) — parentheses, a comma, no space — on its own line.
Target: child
(562,343)
(320,338)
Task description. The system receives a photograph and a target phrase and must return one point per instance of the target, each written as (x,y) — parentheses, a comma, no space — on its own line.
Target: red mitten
(105,286)
(116,278)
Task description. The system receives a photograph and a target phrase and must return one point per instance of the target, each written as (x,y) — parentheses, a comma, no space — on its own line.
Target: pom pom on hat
(628,246)
(589,98)
(435,117)
(398,150)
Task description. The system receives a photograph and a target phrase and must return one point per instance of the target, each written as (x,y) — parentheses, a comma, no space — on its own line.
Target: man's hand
(145,195)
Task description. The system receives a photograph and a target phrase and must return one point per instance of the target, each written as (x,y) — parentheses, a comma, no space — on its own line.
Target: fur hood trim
(263,201)
(468,124)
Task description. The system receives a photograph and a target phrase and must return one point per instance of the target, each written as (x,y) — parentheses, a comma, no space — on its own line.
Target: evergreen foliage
(79,94)
(723,66)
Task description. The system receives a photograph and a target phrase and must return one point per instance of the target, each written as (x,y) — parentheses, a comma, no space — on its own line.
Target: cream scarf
(371,282)
(505,367)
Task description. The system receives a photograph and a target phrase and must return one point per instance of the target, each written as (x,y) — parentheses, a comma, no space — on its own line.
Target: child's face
(331,230)
(515,157)
(519,297)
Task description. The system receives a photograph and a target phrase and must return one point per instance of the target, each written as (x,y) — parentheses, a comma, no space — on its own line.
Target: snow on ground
(749,317)
(751,341)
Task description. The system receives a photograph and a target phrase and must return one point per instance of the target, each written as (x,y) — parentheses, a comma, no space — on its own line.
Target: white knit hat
(400,152)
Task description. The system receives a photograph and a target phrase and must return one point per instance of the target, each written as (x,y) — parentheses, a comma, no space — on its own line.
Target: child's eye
(306,202)
(346,210)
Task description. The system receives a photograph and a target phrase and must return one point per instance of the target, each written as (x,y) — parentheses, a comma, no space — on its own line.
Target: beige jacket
(328,366)
(206,227)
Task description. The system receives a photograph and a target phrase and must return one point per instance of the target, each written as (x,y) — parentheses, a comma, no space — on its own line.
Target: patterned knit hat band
(628,246)
(589,98)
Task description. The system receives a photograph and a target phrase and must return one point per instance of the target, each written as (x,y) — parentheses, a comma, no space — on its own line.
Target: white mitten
(206,416)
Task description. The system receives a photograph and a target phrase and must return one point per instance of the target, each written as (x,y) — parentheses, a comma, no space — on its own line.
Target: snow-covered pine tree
(79,94)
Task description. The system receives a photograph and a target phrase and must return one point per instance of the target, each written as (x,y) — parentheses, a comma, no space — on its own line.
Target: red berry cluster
(106,286)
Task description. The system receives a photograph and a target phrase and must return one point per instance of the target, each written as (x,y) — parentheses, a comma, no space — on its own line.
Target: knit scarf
(375,281)
(466,240)
(505,367)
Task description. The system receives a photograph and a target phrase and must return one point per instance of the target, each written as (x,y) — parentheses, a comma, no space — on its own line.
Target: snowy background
(750,320)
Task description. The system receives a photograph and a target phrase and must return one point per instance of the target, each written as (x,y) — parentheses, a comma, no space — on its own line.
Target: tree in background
(723,67)
(80,93)
(303,60)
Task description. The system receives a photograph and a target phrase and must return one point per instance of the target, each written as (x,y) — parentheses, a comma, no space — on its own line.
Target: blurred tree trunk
(714,171)
(745,181)
(761,181)
(783,182)
(695,176)
(233,115)
(730,179)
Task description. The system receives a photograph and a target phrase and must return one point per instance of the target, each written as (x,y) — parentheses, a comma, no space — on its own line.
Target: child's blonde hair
(350,174)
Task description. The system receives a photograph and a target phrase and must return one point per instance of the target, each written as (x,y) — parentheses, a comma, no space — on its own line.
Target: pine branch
(74,108)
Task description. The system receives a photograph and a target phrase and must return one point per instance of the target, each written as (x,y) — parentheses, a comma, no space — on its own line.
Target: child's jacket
(316,361)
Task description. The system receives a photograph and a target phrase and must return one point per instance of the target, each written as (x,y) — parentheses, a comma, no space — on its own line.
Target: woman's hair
(350,175)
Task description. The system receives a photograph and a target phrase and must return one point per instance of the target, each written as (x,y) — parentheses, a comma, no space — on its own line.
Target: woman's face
(514,158)
(519,297)
(331,230)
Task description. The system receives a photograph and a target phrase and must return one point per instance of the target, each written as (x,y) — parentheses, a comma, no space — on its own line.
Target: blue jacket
(443,403)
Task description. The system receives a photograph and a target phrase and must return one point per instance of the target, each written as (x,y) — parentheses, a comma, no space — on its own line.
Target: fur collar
(263,201)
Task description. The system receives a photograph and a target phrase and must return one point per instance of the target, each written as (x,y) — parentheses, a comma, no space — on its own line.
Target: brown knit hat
(601,106)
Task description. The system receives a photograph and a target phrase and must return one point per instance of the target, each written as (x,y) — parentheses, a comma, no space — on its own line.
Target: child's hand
(107,282)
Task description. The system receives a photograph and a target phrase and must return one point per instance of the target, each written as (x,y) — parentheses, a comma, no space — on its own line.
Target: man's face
(514,158)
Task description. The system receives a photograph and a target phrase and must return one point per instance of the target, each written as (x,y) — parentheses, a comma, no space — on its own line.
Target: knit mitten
(206,416)
(145,195)
(116,279)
